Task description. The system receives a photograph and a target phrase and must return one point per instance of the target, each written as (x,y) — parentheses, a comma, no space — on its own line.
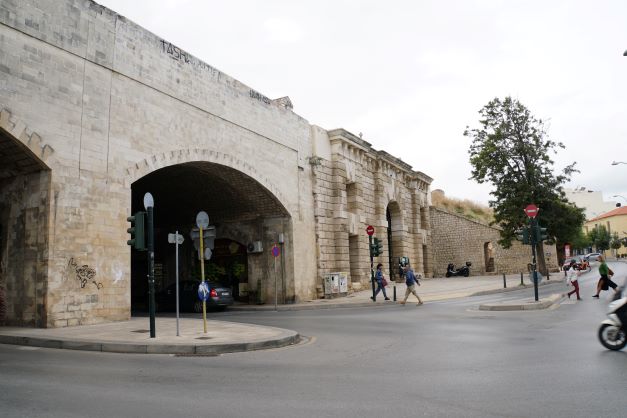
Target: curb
(287,338)
(517,287)
(523,306)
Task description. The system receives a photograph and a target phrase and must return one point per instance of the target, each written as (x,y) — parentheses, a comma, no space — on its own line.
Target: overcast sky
(411,75)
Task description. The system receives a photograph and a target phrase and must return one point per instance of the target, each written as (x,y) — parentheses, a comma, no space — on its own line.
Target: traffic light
(137,231)
(541,234)
(522,234)
(377,247)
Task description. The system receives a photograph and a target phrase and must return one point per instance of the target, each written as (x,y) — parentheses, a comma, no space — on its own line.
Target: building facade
(615,222)
(96,111)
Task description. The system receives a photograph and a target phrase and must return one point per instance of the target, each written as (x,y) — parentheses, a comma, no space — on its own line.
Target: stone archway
(241,208)
(394,237)
(24,212)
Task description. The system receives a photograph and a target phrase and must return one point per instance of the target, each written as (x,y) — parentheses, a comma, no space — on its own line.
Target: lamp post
(149,204)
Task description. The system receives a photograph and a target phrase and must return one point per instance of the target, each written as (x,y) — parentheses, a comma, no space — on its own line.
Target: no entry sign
(370,230)
(532,210)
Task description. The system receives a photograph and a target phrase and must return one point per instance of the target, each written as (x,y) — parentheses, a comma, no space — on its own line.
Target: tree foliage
(615,242)
(510,150)
(600,238)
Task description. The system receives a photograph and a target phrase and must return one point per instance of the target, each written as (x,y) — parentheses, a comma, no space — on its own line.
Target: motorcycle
(462,271)
(613,331)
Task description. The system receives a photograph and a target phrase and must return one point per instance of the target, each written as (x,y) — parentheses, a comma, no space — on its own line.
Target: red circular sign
(532,210)
(276,251)
(370,230)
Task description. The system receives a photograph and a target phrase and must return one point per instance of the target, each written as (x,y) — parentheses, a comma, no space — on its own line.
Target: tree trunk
(541,262)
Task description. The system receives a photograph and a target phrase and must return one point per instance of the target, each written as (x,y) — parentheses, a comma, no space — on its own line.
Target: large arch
(25,183)
(242,209)
(394,219)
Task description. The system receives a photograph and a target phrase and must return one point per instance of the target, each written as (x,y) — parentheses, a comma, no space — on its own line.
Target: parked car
(219,297)
(592,257)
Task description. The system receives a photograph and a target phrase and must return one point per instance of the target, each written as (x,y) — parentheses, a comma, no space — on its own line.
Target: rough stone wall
(115,103)
(457,239)
(353,187)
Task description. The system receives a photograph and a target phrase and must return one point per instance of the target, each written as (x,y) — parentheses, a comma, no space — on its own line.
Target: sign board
(532,210)
(370,230)
(276,251)
(149,201)
(175,239)
(202,219)
(566,250)
(203,291)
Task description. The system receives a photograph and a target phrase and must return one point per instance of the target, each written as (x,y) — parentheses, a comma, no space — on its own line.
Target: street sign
(276,250)
(532,210)
(203,291)
(202,219)
(370,230)
(175,239)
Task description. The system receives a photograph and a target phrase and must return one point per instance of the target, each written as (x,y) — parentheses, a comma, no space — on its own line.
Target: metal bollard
(521,279)
(504,282)
(394,291)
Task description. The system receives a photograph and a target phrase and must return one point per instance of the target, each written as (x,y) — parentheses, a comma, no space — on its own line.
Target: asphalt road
(442,359)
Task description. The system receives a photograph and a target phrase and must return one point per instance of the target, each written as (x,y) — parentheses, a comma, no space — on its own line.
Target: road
(442,359)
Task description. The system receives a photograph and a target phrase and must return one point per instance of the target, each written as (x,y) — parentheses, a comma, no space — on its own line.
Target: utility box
(335,284)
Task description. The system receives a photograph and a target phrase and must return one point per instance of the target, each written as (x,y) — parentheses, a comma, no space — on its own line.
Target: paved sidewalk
(224,337)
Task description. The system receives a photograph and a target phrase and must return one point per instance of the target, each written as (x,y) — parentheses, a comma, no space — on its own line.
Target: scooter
(613,331)
(462,271)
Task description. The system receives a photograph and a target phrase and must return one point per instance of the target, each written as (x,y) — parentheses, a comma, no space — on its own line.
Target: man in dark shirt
(411,281)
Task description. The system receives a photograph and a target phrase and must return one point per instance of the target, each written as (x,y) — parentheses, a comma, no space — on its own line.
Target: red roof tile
(618,211)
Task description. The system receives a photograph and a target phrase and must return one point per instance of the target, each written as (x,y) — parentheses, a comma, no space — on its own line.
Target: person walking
(381,283)
(411,281)
(605,282)
(571,276)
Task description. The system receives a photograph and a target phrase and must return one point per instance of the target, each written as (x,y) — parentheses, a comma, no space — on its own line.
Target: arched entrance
(395,238)
(243,212)
(488,253)
(24,206)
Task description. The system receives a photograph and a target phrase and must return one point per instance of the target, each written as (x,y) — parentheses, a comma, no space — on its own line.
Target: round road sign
(370,230)
(276,250)
(532,210)
(202,219)
(203,291)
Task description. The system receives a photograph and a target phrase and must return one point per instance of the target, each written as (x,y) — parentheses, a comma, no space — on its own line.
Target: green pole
(151,270)
(371,265)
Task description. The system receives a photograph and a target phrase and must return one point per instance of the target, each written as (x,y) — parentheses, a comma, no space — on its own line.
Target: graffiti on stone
(256,95)
(84,274)
(178,54)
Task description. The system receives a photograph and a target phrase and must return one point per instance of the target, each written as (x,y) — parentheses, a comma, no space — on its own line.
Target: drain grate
(204,338)
(141,331)
(196,355)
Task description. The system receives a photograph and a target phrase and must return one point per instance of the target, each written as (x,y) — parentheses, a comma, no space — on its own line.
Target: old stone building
(96,111)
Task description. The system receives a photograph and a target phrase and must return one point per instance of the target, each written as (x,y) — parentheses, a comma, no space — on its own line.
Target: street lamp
(625,53)
(618,162)
(618,203)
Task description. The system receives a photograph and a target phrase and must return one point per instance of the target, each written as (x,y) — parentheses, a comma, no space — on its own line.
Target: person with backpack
(571,276)
(411,281)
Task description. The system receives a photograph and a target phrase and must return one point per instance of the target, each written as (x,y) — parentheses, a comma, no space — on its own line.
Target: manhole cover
(141,331)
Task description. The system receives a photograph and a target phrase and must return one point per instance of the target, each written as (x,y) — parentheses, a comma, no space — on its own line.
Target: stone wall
(354,186)
(457,239)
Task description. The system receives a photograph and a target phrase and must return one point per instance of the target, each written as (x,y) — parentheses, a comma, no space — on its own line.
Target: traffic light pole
(371,266)
(534,241)
(151,271)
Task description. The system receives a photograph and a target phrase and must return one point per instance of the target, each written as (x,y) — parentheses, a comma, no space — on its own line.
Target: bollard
(521,279)
(394,291)
(504,282)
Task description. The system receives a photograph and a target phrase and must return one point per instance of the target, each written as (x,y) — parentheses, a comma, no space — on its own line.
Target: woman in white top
(571,275)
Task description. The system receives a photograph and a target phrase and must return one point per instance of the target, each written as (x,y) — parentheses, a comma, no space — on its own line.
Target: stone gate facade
(96,110)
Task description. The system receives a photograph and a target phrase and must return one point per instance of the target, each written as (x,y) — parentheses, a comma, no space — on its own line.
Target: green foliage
(580,240)
(510,150)
(615,242)
(600,238)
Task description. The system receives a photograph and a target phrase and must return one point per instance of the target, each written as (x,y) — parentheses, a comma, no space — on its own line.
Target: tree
(511,151)
(615,242)
(600,238)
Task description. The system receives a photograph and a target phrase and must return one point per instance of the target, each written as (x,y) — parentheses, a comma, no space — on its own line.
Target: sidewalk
(225,337)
